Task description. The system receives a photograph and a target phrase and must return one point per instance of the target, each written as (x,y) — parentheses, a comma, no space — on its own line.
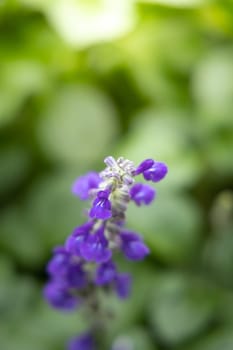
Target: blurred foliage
(82,79)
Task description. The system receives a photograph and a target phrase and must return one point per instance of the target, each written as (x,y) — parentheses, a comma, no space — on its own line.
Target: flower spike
(86,262)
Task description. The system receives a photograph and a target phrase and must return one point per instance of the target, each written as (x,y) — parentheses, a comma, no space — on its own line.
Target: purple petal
(85,183)
(82,342)
(80,235)
(146,164)
(128,236)
(156,173)
(74,243)
(105,273)
(142,194)
(95,248)
(103,194)
(57,266)
(76,277)
(133,247)
(135,250)
(101,208)
(59,297)
(123,283)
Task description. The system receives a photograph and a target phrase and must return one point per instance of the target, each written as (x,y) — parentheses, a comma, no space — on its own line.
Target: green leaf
(213,88)
(218,256)
(20,238)
(136,338)
(181,307)
(14,167)
(77,126)
(219,340)
(82,23)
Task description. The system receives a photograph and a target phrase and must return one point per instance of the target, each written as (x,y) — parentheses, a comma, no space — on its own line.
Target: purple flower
(85,183)
(145,165)
(80,234)
(76,277)
(152,170)
(95,248)
(156,172)
(84,264)
(82,342)
(133,246)
(101,208)
(58,296)
(59,262)
(105,273)
(65,270)
(123,284)
(142,194)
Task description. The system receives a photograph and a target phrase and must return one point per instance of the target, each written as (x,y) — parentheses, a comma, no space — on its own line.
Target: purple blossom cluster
(86,261)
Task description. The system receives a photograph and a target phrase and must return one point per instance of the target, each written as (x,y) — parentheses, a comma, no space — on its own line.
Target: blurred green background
(82,79)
